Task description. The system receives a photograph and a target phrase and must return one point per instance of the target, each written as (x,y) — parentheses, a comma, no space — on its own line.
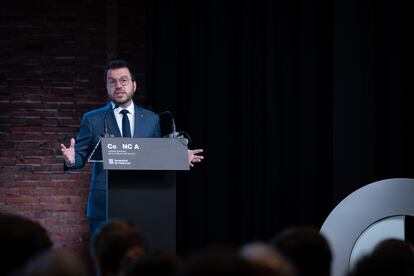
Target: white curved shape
(387,228)
(359,210)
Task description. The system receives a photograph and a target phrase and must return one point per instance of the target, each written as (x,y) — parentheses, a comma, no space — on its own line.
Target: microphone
(106,134)
(174,133)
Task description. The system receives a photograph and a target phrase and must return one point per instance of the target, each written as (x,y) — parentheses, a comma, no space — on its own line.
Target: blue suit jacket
(147,124)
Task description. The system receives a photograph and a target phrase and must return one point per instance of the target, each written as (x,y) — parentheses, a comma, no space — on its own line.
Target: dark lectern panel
(148,198)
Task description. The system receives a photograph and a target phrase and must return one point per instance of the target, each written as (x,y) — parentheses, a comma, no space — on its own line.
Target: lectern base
(148,199)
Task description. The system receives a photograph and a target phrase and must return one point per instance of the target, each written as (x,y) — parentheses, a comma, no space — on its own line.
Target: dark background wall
(296,103)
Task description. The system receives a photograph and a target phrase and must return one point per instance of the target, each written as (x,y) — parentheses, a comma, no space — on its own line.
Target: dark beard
(113,99)
(121,102)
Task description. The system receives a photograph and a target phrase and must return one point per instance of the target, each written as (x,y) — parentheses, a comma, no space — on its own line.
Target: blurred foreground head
(266,261)
(218,262)
(55,263)
(389,257)
(306,249)
(160,263)
(20,240)
(114,244)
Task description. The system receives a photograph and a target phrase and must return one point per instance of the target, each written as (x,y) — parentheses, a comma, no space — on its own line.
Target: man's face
(120,86)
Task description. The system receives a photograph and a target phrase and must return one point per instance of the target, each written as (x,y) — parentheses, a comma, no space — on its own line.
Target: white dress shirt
(131,117)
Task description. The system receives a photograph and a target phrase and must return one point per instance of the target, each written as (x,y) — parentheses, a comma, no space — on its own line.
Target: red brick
(9,177)
(6,145)
(60,199)
(62,207)
(36,177)
(4,192)
(55,184)
(8,153)
(48,88)
(13,199)
(25,184)
(25,130)
(4,161)
(20,208)
(8,170)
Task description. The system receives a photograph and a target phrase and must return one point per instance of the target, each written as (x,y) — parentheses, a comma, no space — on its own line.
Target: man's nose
(118,83)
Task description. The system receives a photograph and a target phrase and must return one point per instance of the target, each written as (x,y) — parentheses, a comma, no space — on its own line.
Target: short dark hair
(21,238)
(306,248)
(390,257)
(218,261)
(159,263)
(53,262)
(112,241)
(119,63)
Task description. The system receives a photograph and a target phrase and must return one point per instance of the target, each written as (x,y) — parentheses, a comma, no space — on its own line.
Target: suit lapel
(113,128)
(139,122)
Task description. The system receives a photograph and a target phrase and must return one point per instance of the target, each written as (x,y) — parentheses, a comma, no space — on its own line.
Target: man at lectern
(121,117)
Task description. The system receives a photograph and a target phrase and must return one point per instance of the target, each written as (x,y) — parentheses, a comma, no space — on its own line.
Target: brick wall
(51,66)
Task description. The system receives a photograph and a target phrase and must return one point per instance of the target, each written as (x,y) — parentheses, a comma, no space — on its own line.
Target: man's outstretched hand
(69,152)
(194,156)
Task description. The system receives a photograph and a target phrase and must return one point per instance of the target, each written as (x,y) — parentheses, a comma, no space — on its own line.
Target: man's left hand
(194,156)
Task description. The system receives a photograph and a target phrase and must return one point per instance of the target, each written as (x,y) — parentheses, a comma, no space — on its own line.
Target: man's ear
(134,83)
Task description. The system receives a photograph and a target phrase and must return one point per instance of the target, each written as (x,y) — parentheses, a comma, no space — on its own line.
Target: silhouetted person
(217,262)
(265,260)
(306,249)
(115,242)
(20,239)
(161,263)
(55,263)
(390,257)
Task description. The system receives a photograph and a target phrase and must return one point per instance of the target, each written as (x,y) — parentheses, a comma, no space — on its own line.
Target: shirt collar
(130,108)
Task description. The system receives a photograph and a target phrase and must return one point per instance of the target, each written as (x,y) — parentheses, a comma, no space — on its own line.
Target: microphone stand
(105,135)
(182,135)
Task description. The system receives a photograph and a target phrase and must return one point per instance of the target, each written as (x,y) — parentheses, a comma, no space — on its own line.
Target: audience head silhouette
(160,263)
(306,248)
(113,244)
(218,262)
(55,263)
(265,260)
(389,257)
(20,239)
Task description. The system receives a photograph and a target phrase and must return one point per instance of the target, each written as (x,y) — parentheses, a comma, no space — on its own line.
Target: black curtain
(296,104)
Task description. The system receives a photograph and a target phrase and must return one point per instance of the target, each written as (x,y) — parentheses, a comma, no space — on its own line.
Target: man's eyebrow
(119,77)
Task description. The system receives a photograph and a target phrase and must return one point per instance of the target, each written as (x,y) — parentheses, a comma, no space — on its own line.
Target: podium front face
(148,199)
(142,185)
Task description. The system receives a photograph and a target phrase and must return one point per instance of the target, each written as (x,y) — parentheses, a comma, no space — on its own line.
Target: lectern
(142,184)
